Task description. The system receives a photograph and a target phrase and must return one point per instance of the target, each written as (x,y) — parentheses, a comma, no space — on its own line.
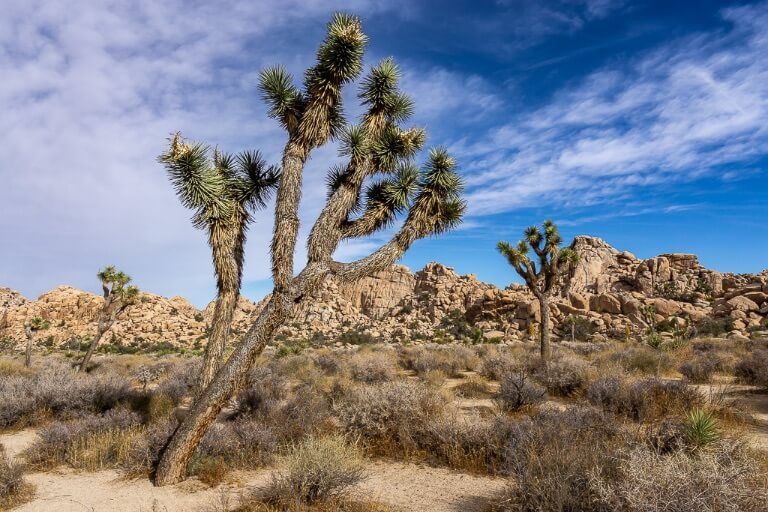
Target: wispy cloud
(675,114)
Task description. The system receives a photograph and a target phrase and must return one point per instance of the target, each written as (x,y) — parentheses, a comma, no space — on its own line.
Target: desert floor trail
(405,486)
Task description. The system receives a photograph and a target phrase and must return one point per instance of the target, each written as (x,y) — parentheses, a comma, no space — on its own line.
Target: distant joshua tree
(118,295)
(35,324)
(223,191)
(553,261)
(360,202)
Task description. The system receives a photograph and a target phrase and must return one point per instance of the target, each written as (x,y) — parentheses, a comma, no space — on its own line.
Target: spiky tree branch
(378,151)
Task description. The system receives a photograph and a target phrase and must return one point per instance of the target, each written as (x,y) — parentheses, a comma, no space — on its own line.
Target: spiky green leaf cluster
(39,324)
(286,102)
(701,428)
(438,206)
(379,93)
(339,60)
(217,186)
(384,200)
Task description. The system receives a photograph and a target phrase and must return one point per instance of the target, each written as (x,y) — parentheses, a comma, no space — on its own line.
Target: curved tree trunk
(28,355)
(546,349)
(103,326)
(223,313)
(227,381)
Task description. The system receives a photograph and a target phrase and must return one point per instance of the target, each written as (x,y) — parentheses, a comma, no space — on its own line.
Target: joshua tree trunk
(231,377)
(223,313)
(103,326)
(546,349)
(28,355)
(227,381)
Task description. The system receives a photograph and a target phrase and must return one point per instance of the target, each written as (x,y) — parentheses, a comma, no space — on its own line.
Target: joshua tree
(552,262)
(34,325)
(118,295)
(223,192)
(359,202)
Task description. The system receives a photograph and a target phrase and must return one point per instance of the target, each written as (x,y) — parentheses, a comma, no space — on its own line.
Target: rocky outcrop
(610,292)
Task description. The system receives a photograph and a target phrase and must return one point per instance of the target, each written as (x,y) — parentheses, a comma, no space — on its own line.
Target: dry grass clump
(553,456)
(55,391)
(91,443)
(645,400)
(373,366)
(516,392)
(473,387)
(316,470)
(13,489)
(753,368)
(725,479)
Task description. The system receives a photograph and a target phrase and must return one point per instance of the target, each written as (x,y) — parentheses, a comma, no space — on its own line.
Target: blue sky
(643,123)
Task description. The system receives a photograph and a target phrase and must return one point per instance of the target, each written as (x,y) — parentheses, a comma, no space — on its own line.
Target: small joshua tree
(376,183)
(553,261)
(118,295)
(223,191)
(35,324)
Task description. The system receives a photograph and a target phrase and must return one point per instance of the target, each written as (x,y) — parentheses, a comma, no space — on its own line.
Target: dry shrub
(701,368)
(753,368)
(563,376)
(180,381)
(726,479)
(91,443)
(643,360)
(646,400)
(516,392)
(449,360)
(553,456)
(389,412)
(13,489)
(473,387)
(372,366)
(317,470)
(263,393)
(328,361)
(55,391)
(496,365)
(144,453)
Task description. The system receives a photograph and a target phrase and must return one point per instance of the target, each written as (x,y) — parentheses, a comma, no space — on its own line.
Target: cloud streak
(674,114)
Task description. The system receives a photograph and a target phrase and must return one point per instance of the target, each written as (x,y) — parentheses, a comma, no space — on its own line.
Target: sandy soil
(408,487)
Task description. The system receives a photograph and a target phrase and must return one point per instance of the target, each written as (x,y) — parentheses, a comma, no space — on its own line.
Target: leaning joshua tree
(553,261)
(376,183)
(35,324)
(118,295)
(224,191)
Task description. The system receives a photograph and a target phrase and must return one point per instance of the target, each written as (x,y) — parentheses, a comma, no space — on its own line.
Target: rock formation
(609,294)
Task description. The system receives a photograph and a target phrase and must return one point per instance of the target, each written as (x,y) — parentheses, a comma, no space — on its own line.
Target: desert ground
(603,426)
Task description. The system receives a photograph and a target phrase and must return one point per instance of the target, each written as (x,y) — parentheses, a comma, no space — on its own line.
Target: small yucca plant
(701,428)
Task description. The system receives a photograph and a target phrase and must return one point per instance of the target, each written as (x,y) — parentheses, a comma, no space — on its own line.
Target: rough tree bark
(103,324)
(223,313)
(28,354)
(545,348)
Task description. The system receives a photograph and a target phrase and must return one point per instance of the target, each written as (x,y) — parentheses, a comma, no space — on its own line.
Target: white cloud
(674,114)
(89,96)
